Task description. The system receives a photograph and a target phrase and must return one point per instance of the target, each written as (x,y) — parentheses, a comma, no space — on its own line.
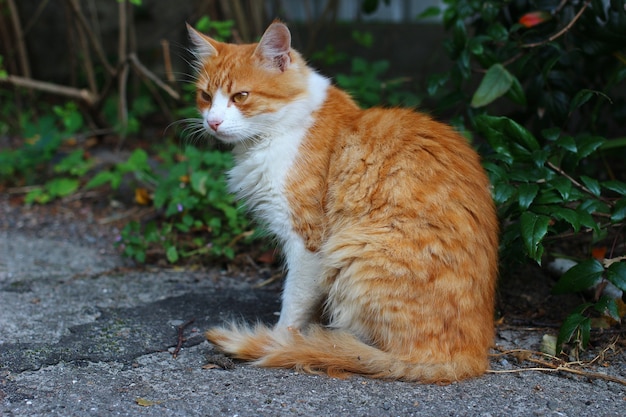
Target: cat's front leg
(302,293)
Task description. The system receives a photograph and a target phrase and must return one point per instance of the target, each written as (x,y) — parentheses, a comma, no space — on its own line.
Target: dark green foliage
(550,104)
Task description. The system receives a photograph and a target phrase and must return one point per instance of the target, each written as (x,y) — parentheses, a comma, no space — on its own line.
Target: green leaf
(199,181)
(137,161)
(497,32)
(551,134)
(586,219)
(172,254)
(569,215)
(435,82)
(616,275)
(619,211)
(496,82)
(574,323)
(580,277)
(475,45)
(459,35)
(588,144)
(502,192)
(591,184)
(617,186)
(37,195)
(503,127)
(562,185)
(568,143)
(516,92)
(101,178)
(608,307)
(61,187)
(526,194)
(533,228)
(580,98)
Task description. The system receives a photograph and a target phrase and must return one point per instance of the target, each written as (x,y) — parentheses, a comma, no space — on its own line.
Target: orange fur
(396,209)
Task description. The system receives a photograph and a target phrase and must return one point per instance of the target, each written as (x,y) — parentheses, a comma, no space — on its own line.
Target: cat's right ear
(203,45)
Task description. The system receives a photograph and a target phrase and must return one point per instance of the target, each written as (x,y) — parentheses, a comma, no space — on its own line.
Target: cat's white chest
(260,175)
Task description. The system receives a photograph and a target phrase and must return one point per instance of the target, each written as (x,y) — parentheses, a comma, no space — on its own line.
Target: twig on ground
(268,281)
(561,366)
(181,338)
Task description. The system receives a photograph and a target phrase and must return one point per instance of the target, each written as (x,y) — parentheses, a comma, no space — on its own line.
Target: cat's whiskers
(193,130)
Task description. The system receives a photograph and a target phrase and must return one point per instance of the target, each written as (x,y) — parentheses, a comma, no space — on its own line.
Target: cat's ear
(274,47)
(203,45)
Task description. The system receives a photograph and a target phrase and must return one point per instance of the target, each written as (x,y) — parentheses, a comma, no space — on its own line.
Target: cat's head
(243,90)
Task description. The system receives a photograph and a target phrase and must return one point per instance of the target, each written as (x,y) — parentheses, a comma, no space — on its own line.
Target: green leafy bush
(43,137)
(544,82)
(197,215)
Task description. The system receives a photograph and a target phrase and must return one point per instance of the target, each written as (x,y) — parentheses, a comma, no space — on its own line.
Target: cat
(385,219)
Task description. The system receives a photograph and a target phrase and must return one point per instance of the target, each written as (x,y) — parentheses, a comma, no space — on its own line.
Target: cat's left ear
(274,47)
(203,45)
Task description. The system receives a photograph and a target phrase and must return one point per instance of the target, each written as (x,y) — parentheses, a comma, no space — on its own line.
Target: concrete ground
(81,334)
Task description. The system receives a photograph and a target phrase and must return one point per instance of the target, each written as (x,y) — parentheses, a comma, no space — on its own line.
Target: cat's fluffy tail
(335,352)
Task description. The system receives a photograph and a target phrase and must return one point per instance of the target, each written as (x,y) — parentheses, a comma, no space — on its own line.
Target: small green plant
(197,214)
(44,136)
(365,83)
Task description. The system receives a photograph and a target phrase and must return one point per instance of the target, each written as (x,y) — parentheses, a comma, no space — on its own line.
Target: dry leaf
(142,196)
(146,403)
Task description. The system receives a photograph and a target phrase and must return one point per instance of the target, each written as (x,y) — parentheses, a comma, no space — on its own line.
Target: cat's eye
(240,97)
(205,96)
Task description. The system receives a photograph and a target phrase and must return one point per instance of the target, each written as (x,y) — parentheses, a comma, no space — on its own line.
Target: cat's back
(409,155)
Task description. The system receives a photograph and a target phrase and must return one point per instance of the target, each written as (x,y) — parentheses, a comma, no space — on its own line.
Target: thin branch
(241,18)
(167,61)
(526,355)
(123,79)
(88,63)
(62,90)
(123,32)
(91,36)
(577,184)
(562,31)
(19,36)
(145,71)
(123,109)
(593,375)
(180,333)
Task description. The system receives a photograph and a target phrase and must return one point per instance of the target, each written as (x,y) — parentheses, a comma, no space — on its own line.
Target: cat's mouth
(225,136)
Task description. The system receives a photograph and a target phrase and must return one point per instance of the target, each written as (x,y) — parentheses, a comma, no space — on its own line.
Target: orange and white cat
(385,218)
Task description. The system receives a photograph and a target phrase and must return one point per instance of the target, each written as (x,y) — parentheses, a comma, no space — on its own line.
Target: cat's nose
(215,124)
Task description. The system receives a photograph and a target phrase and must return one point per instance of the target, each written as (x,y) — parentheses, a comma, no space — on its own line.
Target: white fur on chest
(262,168)
(259,179)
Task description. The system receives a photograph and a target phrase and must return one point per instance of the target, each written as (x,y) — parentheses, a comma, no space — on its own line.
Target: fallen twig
(561,366)
(181,338)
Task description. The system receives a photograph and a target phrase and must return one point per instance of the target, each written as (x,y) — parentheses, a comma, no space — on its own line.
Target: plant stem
(560,32)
